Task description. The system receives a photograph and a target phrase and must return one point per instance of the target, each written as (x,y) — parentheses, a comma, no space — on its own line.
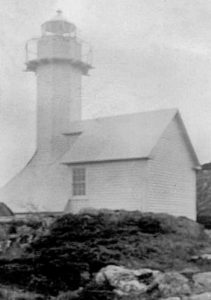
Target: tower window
(79,182)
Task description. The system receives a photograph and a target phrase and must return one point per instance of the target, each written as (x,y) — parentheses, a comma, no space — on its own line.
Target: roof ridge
(173,110)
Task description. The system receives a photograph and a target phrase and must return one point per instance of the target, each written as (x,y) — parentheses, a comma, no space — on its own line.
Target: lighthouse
(128,162)
(58,59)
(59,66)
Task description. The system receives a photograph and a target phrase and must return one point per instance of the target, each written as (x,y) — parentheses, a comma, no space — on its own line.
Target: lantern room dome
(58,25)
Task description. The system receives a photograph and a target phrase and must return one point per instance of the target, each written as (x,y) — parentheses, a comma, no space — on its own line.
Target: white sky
(147,54)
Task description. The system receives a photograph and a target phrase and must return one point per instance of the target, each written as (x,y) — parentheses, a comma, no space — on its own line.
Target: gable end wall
(172,179)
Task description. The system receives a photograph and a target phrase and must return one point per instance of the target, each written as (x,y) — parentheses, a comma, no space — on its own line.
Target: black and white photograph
(105,149)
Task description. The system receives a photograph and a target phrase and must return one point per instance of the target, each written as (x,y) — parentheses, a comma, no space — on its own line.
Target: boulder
(126,281)
(172,284)
(202,282)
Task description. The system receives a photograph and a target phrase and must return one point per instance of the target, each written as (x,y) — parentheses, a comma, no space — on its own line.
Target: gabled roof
(123,137)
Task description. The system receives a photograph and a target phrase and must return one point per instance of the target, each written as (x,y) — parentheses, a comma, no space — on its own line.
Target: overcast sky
(147,54)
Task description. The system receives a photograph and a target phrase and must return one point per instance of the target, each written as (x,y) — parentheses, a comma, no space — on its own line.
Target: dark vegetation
(204,196)
(75,247)
(206,166)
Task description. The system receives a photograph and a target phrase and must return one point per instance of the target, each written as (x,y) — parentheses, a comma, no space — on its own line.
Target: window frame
(78,184)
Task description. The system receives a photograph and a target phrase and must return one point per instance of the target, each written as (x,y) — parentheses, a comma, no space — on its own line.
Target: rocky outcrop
(151,284)
(140,247)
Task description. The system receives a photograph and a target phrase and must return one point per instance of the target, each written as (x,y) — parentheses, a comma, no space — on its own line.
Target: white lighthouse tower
(57,60)
(59,67)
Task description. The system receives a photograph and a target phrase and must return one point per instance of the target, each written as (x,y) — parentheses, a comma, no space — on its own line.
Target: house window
(79,184)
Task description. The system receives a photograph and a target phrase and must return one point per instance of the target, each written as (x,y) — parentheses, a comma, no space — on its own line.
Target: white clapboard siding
(172,179)
(114,185)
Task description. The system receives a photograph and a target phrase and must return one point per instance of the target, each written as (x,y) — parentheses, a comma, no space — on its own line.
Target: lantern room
(58,25)
(58,44)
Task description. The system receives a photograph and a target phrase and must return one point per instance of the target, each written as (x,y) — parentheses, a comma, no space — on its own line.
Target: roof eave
(104,161)
(188,141)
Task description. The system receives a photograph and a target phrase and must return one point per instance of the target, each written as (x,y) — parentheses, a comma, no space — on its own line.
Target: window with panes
(79,182)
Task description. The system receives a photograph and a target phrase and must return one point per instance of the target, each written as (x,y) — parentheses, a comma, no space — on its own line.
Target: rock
(204,296)
(126,281)
(170,298)
(205,256)
(202,282)
(172,284)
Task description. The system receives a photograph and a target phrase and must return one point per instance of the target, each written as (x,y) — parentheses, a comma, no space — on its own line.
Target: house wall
(172,179)
(113,185)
